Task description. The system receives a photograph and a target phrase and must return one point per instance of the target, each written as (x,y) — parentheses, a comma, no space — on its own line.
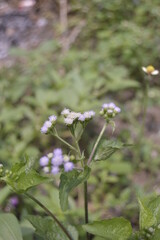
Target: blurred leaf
(69,181)
(107,148)
(154,206)
(49,230)
(4,192)
(27,229)
(156,235)
(120,167)
(146,218)
(9,227)
(116,228)
(23,177)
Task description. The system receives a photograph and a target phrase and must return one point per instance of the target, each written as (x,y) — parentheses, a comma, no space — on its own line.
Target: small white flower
(87,115)
(46,169)
(48,124)
(74,115)
(66,158)
(50,155)
(82,118)
(150,70)
(52,119)
(65,112)
(68,121)
(109,111)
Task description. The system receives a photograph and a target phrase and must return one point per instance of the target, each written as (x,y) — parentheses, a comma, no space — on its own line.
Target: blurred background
(80,54)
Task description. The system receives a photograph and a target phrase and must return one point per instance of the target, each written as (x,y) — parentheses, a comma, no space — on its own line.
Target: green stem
(62,140)
(79,152)
(88,236)
(85,187)
(96,143)
(145,104)
(50,214)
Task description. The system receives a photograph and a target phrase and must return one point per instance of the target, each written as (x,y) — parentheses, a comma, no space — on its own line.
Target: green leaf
(48,229)
(23,177)
(107,148)
(135,236)
(156,235)
(116,228)
(68,182)
(146,218)
(4,192)
(154,206)
(9,227)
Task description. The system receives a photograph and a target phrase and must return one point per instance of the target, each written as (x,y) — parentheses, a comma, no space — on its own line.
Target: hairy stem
(88,236)
(85,188)
(96,143)
(50,214)
(145,104)
(63,141)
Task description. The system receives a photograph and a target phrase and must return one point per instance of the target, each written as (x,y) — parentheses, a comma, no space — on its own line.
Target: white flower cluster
(71,117)
(109,110)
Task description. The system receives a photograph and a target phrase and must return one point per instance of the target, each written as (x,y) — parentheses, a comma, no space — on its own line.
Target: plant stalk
(62,140)
(50,214)
(96,144)
(145,104)
(88,236)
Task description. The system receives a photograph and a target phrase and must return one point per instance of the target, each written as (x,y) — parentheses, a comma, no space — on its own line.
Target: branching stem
(96,144)
(63,141)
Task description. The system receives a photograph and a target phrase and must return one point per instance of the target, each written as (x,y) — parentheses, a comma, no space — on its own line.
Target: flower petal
(155,72)
(144,69)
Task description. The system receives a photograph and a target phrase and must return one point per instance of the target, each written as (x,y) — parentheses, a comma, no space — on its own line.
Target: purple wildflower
(57,152)
(111,105)
(117,109)
(55,170)
(14,201)
(82,118)
(57,160)
(43,161)
(52,119)
(68,166)
(92,113)
(46,127)
(105,105)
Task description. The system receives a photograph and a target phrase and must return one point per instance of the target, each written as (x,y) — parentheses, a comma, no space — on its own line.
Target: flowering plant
(74,169)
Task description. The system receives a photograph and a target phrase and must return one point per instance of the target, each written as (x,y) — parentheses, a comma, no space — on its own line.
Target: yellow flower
(150,70)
